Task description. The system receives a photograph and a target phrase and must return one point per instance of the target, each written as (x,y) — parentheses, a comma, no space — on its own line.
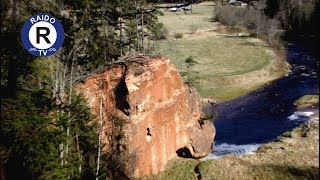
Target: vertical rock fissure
(121,92)
(197,171)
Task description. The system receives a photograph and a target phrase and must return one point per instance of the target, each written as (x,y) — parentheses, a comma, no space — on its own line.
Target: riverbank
(307,101)
(294,155)
(260,117)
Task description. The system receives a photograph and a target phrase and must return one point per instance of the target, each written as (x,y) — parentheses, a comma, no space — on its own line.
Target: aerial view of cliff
(159,89)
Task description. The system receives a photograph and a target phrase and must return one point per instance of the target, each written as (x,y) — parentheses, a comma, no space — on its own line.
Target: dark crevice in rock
(197,171)
(121,92)
(184,152)
(201,123)
(148,132)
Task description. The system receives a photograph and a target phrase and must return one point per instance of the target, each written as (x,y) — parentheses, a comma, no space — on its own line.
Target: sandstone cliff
(154,114)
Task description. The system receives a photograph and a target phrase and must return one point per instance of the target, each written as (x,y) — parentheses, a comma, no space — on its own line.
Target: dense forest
(42,133)
(46,128)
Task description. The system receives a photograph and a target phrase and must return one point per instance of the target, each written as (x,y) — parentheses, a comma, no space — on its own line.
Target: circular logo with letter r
(42,35)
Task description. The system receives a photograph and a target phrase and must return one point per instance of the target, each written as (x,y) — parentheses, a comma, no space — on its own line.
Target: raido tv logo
(42,35)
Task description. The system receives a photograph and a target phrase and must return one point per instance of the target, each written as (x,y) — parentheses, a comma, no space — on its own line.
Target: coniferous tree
(47,129)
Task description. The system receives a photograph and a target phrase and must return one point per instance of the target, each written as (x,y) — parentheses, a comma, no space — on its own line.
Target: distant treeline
(298,18)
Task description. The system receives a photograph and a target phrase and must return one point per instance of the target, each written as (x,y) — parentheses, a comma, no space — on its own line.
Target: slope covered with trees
(47,130)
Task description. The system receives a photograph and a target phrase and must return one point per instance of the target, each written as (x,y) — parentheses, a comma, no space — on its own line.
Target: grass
(228,66)
(179,22)
(310,99)
(178,169)
(293,157)
(218,56)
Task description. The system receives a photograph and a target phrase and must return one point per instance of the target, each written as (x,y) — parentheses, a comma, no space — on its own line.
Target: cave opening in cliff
(121,92)
(184,152)
(148,132)
(148,137)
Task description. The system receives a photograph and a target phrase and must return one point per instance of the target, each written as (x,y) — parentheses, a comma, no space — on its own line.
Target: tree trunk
(100,128)
(137,21)
(69,103)
(121,33)
(12,85)
(78,151)
(189,74)
(142,33)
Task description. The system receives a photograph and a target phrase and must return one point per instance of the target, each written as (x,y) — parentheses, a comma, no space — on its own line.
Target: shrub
(234,29)
(178,35)
(286,134)
(159,32)
(193,28)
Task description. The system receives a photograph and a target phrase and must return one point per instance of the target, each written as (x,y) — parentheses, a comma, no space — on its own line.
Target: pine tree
(33,134)
(47,128)
(190,62)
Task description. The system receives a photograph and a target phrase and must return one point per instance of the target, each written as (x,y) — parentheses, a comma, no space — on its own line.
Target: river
(261,116)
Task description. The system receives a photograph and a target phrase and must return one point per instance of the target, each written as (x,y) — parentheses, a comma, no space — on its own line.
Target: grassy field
(228,66)
(179,22)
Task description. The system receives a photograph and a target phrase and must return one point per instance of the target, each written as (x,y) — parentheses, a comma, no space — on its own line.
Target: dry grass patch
(177,169)
(179,22)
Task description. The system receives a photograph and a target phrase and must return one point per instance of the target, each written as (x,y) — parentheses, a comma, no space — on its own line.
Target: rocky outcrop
(153,113)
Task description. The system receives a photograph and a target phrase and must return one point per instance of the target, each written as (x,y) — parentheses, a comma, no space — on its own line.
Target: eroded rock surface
(153,112)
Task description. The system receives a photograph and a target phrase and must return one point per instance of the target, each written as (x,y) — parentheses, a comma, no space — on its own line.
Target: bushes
(255,21)
(193,28)
(178,35)
(286,134)
(159,32)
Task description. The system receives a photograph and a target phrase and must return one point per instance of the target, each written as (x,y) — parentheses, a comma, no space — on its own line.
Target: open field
(229,66)
(179,22)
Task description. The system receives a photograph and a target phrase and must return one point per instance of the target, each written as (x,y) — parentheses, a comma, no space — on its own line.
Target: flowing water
(263,115)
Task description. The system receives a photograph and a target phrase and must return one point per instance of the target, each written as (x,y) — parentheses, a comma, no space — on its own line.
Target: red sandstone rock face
(160,112)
